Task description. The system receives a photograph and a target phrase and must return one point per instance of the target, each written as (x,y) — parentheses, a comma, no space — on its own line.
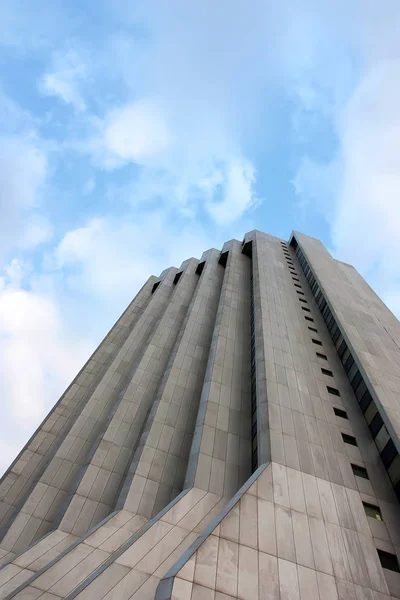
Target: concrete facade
(235,435)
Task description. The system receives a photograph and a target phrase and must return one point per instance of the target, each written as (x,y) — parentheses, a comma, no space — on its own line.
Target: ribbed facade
(235,435)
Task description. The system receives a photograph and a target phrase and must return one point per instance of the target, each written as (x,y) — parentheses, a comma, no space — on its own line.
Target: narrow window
(388,454)
(327,372)
(333,391)
(360,471)
(155,286)
(300,293)
(388,561)
(302,300)
(177,277)
(309,319)
(316,342)
(340,413)
(372,511)
(305,309)
(349,439)
(382,438)
(313,329)
(297,285)
(321,356)
(394,470)
(295,279)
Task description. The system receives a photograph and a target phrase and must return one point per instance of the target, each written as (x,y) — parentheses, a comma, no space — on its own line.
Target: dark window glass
(388,454)
(342,349)
(316,342)
(348,364)
(302,300)
(327,372)
(335,334)
(356,381)
(365,401)
(353,370)
(349,439)
(360,391)
(300,293)
(388,561)
(370,412)
(376,424)
(340,413)
(381,439)
(371,510)
(321,356)
(295,279)
(394,470)
(360,471)
(345,355)
(309,319)
(326,313)
(305,309)
(330,324)
(297,285)
(339,341)
(333,391)
(313,329)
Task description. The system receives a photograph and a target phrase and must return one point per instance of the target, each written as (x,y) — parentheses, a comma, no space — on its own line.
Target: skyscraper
(235,435)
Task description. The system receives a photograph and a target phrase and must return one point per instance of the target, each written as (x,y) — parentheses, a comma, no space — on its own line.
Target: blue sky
(134,135)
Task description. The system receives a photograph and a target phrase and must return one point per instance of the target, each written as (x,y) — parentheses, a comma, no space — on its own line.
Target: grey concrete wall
(220,456)
(159,465)
(98,488)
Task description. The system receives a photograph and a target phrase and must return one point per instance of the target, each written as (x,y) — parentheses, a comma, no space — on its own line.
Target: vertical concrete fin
(98,488)
(260,291)
(46,501)
(160,461)
(220,455)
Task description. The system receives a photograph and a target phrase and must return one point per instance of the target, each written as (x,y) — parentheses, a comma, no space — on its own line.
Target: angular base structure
(235,435)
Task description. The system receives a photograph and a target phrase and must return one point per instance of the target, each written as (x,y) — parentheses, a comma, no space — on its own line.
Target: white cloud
(136,132)
(37,353)
(359,189)
(39,356)
(37,230)
(65,78)
(179,169)
(23,171)
(236,185)
(115,256)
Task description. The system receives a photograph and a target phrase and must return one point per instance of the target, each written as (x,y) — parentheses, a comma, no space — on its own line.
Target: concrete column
(159,465)
(98,488)
(220,456)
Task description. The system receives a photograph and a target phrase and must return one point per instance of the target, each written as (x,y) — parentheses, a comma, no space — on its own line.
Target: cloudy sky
(135,134)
